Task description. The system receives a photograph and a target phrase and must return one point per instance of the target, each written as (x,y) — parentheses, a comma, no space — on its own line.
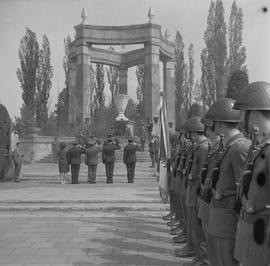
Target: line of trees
(221,70)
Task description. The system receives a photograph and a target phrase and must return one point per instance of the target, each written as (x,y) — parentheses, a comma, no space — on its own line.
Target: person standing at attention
(63,163)
(130,159)
(74,159)
(91,159)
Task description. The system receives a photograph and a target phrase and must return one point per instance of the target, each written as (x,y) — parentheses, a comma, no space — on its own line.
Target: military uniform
(108,158)
(74,159)
(222,217)
(252,245)
(130,160)
(91,160)
(226,173)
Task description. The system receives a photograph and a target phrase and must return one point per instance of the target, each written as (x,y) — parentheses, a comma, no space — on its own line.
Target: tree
(27,73)
(44,83)
(179,77)
(113,79)
(93,85)
(100,85)
(140,74)
(63,97)
(208,85)
(237,52)
(215,40)
(190,78)
(238,81)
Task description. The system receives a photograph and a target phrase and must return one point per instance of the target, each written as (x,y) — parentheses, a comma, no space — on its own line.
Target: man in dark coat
(74,159)
(91,159)
(130,159)
(108,156)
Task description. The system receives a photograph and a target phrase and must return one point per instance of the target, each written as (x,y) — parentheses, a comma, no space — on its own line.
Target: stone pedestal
(122,126)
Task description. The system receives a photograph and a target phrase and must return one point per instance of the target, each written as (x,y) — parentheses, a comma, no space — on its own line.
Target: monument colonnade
(156,48)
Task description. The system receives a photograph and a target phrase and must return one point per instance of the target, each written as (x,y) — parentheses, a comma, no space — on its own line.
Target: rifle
(190,162)
(205,166)
(216,169)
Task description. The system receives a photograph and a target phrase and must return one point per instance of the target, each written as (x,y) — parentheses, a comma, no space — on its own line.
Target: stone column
(152,80)
(72,67)
(123,80)
(83,85)
(169,88)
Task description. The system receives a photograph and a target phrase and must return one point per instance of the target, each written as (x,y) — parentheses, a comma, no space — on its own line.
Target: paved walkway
(45,223)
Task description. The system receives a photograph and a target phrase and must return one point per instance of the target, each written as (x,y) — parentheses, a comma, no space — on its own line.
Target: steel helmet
(256,96)
(207,120)
(222,111)
(194,124)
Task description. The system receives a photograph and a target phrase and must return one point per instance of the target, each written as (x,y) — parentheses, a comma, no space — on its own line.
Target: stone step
(154,205)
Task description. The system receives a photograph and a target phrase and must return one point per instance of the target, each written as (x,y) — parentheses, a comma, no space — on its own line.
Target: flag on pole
(164,150)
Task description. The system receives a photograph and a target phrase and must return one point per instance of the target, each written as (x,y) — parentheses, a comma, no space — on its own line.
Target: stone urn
(120,101)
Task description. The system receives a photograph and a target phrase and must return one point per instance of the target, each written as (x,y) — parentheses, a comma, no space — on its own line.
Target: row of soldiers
(220,182)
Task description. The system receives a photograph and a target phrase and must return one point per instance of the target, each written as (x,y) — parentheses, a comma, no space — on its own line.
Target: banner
(164,151)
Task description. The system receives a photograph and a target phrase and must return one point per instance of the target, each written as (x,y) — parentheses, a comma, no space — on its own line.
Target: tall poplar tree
(215,40)
(44,83)
(190,75)
(100,85)
(179,77)
(237,52)
(63,97)
(27,73)
(140,72)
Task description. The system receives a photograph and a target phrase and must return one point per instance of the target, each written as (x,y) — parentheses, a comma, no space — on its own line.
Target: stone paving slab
(46,188)
(45,223)
(118,238)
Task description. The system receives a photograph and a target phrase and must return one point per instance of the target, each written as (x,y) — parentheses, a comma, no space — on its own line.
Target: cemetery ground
(45,223)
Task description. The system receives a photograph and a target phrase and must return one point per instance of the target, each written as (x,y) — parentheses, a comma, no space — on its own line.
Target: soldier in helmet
(184,145)
(205,197)
(252,245)
(185,237)
(196,128)
(228,169)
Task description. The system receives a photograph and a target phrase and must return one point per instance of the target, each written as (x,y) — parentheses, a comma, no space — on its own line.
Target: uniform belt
(252,218)
(222,203)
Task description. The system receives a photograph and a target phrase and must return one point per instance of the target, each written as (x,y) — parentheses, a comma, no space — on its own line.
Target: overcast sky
(56,19)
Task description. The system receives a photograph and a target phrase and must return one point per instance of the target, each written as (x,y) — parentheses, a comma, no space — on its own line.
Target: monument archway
(156,48)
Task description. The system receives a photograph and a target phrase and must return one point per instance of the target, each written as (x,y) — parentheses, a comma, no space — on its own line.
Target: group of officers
(91,151)
(220,182)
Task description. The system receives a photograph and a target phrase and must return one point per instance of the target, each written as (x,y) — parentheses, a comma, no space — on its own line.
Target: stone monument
(84,51)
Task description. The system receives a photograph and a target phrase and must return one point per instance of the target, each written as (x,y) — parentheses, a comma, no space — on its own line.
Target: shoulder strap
(233,141)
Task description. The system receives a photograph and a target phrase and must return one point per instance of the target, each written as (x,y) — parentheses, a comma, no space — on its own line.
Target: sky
(57,18)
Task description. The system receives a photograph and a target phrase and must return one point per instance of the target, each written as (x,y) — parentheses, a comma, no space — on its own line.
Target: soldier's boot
(197,261)
(180,239)
(185,252)
(167,217)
